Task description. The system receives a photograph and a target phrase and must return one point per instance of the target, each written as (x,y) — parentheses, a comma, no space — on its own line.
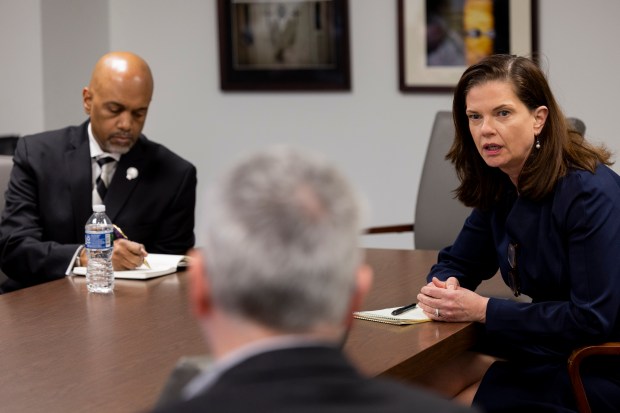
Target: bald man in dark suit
(150,190)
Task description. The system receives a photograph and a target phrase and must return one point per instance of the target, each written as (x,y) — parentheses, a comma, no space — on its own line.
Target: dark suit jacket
(567,261)
(49,200)
(307,379)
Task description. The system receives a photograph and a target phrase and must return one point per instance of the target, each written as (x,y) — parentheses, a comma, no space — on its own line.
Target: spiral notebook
(161,264)
(413,316)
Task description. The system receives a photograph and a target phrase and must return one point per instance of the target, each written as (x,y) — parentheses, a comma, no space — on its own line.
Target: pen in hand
(118,233)
(401,310)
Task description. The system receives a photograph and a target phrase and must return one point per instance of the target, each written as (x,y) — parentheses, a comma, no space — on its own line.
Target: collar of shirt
(206,379)
(95,150)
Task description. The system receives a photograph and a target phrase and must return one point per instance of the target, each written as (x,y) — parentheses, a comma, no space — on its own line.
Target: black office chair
(8,144)
(6,165)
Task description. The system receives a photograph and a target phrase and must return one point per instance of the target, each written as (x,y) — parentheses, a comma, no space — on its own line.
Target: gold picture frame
(437,39)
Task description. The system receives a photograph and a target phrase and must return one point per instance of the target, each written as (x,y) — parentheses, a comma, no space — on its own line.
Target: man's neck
(227,336)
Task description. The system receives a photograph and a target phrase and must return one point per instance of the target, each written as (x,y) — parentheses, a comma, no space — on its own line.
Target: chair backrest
(439,216)
(6,165)
(8,144)
(578,125)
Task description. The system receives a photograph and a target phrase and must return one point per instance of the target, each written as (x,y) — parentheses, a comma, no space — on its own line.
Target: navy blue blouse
(568,261)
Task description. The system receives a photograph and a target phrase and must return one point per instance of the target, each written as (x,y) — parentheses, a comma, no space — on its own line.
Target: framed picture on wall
(284,45)
(439,39)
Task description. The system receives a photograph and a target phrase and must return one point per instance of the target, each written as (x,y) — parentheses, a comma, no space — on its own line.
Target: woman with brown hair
(546,214)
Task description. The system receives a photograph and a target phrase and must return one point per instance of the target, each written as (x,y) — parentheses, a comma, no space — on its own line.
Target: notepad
(161,264)
(413,316)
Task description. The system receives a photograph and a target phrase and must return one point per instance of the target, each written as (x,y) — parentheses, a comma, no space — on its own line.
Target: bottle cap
(99,208)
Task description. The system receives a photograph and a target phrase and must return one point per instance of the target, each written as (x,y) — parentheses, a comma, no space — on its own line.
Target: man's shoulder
(373,396)
(53,138)
(397,395)
(300,380)
(158,152)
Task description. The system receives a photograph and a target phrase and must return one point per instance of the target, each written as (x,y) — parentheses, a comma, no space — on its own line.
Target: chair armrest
(389,229)
(574,365)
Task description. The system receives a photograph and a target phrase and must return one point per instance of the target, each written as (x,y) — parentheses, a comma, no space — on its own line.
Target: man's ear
(87,100)
(363,282)
(199,287)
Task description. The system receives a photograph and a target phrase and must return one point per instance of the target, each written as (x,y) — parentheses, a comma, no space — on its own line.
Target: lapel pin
(132,173)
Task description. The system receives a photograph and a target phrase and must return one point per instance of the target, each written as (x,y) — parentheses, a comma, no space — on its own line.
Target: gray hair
(282,240)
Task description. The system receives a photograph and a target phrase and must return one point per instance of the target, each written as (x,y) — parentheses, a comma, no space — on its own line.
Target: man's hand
(127,255)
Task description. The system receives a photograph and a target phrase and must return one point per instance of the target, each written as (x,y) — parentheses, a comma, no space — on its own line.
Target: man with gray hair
(274,288)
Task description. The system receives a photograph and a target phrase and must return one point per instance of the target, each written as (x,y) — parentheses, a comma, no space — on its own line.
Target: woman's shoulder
(579,181)
(602,175)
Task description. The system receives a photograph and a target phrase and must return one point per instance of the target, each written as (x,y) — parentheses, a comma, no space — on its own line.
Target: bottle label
(98,240)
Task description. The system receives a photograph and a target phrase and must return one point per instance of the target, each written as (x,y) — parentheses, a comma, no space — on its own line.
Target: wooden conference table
(63,349)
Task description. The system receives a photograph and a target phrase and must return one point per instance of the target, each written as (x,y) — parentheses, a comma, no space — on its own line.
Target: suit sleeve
(470,259)
(25,256)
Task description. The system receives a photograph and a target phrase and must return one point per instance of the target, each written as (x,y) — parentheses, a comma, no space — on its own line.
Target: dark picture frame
(284,45)
(439,39)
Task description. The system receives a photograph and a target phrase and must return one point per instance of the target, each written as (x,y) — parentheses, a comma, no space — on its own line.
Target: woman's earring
(537,143)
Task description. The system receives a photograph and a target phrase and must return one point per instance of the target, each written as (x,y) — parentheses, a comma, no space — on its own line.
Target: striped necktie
(102,188)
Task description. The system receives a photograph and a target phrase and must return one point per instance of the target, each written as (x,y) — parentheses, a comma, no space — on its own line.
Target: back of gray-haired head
(282,240)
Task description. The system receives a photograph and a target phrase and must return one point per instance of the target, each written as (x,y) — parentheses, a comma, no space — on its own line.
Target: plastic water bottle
(98,243)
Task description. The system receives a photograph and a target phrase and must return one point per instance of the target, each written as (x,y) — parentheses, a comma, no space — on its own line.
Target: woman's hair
(561,146)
